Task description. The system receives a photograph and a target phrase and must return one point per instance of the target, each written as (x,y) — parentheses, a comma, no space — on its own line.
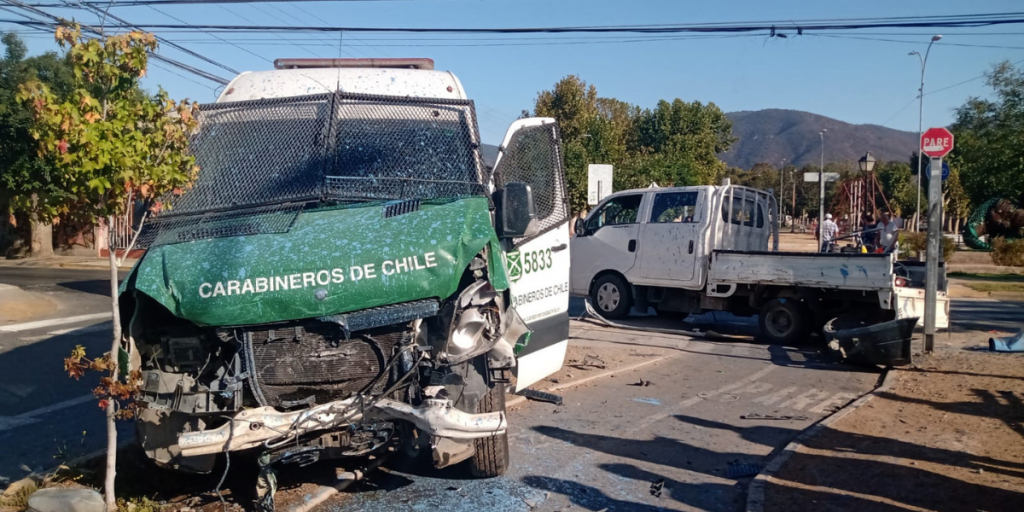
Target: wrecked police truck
(347,276)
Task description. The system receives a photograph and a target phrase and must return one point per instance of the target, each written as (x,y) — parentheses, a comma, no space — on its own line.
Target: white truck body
(690,249)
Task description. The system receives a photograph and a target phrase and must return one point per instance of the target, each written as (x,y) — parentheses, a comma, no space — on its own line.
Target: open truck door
(537,263)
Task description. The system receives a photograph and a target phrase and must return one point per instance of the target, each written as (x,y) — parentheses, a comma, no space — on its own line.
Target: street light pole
(821,187)
(920,126)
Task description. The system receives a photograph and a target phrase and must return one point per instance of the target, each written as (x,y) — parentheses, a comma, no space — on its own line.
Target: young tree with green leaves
(108,143)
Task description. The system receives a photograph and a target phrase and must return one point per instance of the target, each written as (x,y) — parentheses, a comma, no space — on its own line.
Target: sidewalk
(77,262)
(946,436)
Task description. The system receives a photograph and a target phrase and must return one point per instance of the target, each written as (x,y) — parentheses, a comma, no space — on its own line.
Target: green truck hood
(331,261)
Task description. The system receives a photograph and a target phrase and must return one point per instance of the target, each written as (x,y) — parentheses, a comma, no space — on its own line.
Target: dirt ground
(946,437)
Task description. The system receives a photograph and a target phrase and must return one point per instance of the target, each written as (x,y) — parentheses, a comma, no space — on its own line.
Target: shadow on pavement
(668,452)
(93,286)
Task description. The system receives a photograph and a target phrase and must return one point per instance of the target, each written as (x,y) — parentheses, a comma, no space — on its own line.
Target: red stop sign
(936,142)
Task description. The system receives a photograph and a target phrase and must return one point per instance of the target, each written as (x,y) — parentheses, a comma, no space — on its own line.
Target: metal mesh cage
(532,157)
(255,156)
(393,148)
(247,221)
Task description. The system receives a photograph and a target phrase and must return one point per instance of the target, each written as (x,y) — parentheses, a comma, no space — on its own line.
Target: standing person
(829,232)
(888,233)
(869,233)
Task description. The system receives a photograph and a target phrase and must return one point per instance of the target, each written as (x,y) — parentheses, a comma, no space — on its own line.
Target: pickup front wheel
(783,321)
(611,296)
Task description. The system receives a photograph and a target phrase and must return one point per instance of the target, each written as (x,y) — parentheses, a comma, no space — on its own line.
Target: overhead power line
(777,29)
(57,21)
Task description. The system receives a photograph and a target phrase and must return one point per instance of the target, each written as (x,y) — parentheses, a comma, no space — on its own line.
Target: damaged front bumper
(267,426)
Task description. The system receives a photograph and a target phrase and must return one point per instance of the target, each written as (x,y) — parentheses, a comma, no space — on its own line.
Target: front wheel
(611,296)
(491,457)
(783,321)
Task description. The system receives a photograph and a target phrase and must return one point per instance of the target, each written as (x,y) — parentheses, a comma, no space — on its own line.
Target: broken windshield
(266,152)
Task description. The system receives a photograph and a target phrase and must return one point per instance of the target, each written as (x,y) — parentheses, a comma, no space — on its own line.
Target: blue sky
(854,80)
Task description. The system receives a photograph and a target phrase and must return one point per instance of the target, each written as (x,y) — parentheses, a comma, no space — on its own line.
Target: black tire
(783,321)
(611,296)
(491,457)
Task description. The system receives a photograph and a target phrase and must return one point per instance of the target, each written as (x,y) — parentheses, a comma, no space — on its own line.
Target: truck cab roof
(283,83)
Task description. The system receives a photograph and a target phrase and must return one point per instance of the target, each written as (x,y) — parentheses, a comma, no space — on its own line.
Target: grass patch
(19,501)
(1003,278)
(991,286)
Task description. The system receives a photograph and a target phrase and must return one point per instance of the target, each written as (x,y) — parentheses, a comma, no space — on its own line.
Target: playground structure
(997,217)
(853,198)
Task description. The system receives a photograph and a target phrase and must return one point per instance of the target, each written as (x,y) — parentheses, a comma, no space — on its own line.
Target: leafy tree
(989,137)
(675,143)
(22,171)
(108,143)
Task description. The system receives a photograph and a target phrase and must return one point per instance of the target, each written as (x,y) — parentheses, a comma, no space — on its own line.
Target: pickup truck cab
(688,250)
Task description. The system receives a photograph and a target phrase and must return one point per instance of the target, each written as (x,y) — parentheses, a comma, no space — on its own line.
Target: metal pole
(821,191)
(920,127)
(782,188)
(934,251)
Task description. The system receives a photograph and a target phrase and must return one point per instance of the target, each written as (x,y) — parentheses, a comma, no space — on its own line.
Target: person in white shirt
(829,232)
(888,234)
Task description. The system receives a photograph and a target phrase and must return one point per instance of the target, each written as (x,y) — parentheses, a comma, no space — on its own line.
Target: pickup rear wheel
(783,321)
(611,296)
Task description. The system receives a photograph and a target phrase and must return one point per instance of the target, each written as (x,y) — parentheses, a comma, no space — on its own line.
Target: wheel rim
(779,322)
(608,297)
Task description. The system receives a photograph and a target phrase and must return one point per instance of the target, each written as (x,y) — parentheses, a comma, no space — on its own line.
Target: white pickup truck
(688,250)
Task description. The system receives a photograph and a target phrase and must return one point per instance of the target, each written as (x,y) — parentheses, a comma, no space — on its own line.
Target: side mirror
(580,227)
(517,215)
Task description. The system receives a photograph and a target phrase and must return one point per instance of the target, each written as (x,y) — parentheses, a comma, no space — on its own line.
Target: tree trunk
(41,244)
(115,348)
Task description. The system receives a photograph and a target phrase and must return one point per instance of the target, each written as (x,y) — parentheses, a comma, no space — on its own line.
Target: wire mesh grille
(532,157)
(391,148)
(247,221)
(317,150)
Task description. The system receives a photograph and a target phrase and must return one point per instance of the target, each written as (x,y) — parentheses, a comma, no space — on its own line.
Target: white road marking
(26,418)
(52,322)
(806,398)
(838,400)
(774,397)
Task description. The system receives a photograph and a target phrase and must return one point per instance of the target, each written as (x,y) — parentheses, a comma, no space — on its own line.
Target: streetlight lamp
(866,163)
(821,186)
(920,126)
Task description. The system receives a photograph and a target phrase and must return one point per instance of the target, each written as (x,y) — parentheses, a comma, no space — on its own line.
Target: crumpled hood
(331,261)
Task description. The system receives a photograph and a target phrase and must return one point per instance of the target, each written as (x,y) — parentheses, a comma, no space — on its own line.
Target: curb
(578,382)
(755,491)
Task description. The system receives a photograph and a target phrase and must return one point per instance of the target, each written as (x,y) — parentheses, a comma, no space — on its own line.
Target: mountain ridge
(770,135)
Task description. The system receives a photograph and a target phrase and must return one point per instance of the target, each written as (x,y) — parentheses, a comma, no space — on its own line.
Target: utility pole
(920,127)
(782,187)
(821,188)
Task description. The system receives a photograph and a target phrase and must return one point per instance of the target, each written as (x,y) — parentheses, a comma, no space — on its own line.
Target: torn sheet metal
(333,261)
(260,425)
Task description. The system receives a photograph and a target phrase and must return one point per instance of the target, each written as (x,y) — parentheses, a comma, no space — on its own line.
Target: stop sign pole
(936,143)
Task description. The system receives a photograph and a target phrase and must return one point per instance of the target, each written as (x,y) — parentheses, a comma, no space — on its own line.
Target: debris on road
(642,383)
(738,470)
(1013,343)
(755,416)
(886,343)
(541,396)
(645,400)
(657,486)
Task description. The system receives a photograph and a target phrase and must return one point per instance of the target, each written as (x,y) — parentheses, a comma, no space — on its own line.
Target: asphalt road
(602,449)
